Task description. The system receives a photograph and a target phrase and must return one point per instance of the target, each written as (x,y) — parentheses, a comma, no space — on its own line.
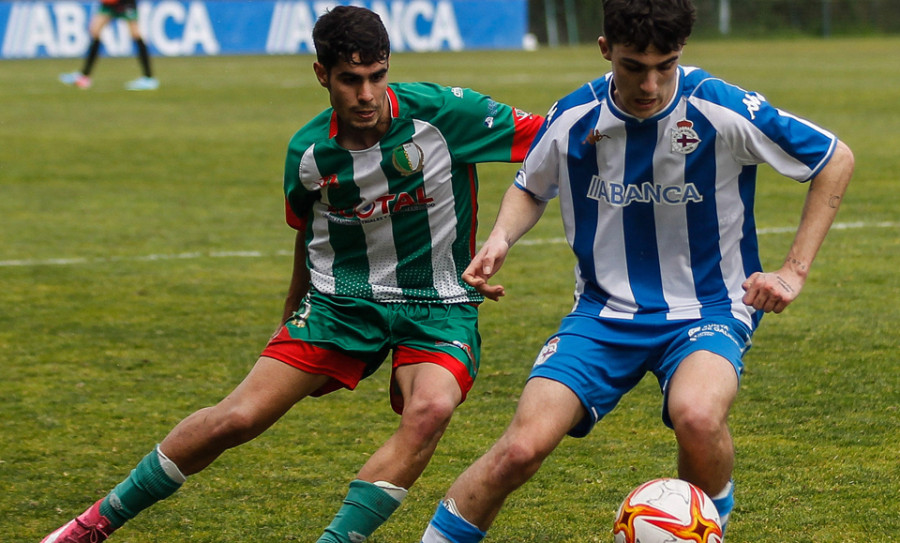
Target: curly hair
(664,24)
(345,31)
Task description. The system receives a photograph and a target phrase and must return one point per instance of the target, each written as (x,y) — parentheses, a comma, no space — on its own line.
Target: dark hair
(345,31)
(665,24)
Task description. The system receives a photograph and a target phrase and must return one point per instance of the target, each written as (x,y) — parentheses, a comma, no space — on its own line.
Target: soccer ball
(667,511)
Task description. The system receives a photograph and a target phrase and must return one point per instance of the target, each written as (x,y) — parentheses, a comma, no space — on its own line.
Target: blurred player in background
(381,188)
(655,167)
(109,11)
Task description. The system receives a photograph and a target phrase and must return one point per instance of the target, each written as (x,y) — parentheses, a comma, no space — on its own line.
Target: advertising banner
(35,29)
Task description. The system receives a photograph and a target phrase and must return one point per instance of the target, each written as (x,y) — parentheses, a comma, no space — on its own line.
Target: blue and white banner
(35,29)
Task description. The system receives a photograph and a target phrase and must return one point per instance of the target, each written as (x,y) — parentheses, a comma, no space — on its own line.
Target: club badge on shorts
(299,317)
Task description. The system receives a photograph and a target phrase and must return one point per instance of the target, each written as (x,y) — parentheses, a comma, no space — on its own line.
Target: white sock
(724,492)
(394,491)
(169,467)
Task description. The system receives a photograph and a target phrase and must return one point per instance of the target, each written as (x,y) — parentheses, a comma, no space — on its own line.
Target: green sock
(365,508)
(147,484)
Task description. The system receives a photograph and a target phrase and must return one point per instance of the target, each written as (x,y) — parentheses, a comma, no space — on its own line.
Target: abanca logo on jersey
(621,195)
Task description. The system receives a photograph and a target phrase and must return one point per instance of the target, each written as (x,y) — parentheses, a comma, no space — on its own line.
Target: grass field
(144,260)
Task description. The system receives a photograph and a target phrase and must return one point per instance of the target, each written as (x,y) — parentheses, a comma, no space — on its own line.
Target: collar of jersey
(629,118)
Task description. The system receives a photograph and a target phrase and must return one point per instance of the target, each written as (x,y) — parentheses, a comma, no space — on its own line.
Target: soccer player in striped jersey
(381,188)
(655,166)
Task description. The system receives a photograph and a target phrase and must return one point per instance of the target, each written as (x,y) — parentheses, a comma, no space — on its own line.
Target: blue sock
(724,502)
(445,527)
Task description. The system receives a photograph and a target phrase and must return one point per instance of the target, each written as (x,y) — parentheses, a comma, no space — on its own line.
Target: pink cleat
(77,79)
(83,82)
(88,527)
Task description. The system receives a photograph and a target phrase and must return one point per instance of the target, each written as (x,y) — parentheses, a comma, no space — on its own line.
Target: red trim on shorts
(404,356)
(345,371)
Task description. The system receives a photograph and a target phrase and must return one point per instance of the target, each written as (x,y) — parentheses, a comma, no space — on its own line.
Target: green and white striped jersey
(396,222)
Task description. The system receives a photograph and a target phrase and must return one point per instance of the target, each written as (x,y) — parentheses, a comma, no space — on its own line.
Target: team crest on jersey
(408,158)
(684,138)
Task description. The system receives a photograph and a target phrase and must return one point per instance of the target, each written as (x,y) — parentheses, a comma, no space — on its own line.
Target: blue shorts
(600,359)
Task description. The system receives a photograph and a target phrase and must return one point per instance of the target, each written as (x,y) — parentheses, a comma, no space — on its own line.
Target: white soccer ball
(667,511)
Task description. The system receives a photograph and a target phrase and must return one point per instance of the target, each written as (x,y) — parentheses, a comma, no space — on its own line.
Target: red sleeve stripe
(527,126)
(293,220)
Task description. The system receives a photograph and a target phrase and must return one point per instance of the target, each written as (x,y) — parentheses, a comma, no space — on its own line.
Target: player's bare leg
(430,394)
(268,391)
(265,395)
(535,431)
(700,397)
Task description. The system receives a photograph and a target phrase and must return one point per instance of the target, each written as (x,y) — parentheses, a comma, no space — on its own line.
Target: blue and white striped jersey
(659,212)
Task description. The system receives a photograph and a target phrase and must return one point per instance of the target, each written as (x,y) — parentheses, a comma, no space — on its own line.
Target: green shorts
(348,339)
(124,9)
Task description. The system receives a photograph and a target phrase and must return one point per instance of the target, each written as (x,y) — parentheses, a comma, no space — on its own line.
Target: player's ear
(605,47)
(321,73)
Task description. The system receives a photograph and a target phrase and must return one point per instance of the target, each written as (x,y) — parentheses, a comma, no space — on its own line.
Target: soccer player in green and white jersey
(381,188)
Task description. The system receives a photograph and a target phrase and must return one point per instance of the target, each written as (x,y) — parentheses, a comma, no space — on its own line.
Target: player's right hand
(485,264)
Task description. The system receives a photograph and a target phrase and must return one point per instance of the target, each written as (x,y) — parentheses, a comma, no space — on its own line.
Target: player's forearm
(299,279)
(826,192)
(519,212)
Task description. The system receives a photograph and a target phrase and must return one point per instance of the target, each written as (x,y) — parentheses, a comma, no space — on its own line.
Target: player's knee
(429,415)
(235,425)
(519,460)
(697,425)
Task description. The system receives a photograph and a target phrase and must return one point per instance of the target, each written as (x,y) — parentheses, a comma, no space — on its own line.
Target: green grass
(127,302)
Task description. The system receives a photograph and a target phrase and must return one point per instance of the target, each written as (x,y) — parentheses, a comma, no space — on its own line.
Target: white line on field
(259,254)
(761,231)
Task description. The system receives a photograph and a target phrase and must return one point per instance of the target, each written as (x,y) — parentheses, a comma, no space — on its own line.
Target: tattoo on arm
(800,265)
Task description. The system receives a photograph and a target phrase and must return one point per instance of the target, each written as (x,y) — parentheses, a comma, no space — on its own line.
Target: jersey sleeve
(298,199)
(481,129)
(539,175)
(758,132)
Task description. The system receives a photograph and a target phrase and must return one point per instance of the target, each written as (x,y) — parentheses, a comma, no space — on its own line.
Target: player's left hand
(771,292)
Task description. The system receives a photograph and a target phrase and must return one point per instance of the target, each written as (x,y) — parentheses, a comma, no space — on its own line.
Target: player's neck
(358,138)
